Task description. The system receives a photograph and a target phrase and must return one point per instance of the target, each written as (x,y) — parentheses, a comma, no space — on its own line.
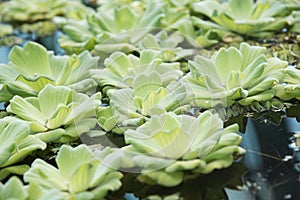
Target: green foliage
(120,69)
(80,174)
(246,17)
(13,189)
(244,75)
(15,144)
(31,68)
(31,10)
(118,28)
(290,86)
(168,145)
(149,78)
(57,114)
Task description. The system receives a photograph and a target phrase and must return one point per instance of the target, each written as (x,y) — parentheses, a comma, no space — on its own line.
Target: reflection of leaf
(271,117)
(294,112)
(203,187)
(241,120)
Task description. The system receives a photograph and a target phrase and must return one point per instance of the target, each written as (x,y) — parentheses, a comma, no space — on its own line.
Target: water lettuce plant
(241,75)
(168,44)
(290,86)
(80,174)
(19,11)
(120,69)
(147,97)
(32,67)
(245,17)
(57,114)
(119,28)
(197,35)
(15,144)
(169,145)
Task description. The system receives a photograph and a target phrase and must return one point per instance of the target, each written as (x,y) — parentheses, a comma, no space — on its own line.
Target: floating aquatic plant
(290,86)
(120,69)
(115,29)
(15,144)
(168,44)
(241,75)
(179,19)
(31,68)
(168,145)
(247,18)
(80,174)
(147,97)
(57,114)
(19,11)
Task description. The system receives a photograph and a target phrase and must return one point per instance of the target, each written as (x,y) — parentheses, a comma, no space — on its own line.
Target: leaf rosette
(131,107)
(31,68)
(120,69)
(15,144)
(20,11)
(168,43)
(241,75)
(116,29)
(246,17)
(290,86)
(80,174)
(57,114)
(169,145)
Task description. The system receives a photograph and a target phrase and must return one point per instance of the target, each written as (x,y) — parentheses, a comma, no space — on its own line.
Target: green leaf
(69,159)
(228,60)
(45,175)
(18,170)
(26,111)
(10,134)
(34,61)
(13,190)
(52,97)
(163,178)
(82,177)
(241,9)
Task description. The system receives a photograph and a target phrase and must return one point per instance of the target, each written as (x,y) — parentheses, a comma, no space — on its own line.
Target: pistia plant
(33,16)
(241,75)
(31,10)
(245,17)
(168,44)
(131,107)
(120,69)
(290,86)
(118,28)
(15,144)
(169,145)
(80,174)
(57,114)
(31,68)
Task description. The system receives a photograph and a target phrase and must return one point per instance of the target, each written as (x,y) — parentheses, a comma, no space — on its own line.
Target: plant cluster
(123,74)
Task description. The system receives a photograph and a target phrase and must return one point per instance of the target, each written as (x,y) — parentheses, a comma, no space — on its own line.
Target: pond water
(268,171)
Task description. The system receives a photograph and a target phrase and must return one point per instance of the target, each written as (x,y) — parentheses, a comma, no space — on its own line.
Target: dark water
(268,171)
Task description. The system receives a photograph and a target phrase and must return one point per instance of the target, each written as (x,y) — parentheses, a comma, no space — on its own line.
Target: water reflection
(269,160)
